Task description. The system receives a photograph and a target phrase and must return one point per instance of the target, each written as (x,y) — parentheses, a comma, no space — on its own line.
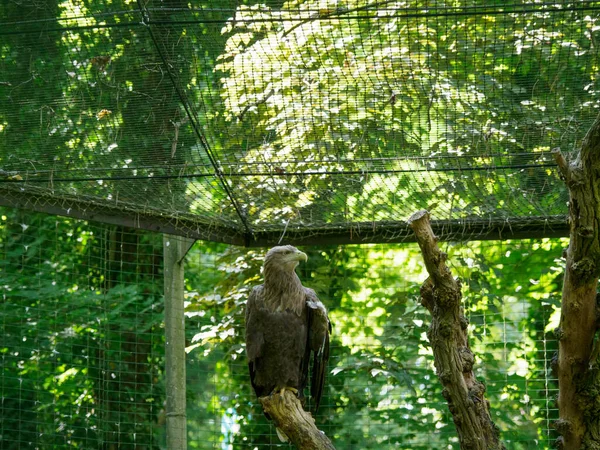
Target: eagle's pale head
(284,257)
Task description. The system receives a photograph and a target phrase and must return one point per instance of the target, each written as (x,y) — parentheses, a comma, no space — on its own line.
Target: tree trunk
(578,322)
(441,295)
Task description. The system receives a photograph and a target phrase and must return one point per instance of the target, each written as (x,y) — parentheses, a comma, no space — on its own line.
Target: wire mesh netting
(238,121)
(82,347)
(83,355)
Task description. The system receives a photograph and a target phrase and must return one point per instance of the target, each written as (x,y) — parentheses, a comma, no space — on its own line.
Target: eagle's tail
(318,373)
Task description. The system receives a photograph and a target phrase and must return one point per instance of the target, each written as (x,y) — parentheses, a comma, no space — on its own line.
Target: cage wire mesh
(329,121)
(322,122)
(83,348)
(82,336)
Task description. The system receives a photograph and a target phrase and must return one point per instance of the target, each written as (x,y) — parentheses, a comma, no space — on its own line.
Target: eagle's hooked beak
(300,256)
(303,256)
(292,259)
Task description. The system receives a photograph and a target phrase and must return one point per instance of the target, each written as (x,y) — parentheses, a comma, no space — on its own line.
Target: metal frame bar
(400,232)
(356,233)
(114,215)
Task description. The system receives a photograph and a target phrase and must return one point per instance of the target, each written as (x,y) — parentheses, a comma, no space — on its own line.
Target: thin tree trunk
(578,321)
(441,295)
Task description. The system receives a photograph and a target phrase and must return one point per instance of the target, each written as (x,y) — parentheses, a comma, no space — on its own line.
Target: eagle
(285,323)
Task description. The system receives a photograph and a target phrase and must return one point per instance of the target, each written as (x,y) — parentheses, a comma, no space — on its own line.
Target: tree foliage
(334,114)
(353,85)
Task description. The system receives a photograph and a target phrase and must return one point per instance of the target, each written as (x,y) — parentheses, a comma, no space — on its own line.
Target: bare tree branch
(441,295)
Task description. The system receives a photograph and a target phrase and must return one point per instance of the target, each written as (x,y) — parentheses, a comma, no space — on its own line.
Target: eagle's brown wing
(319,328)
(276,344)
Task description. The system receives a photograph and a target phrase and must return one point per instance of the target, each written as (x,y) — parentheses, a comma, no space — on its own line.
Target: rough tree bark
(441,295)
(578,399)
(298,425)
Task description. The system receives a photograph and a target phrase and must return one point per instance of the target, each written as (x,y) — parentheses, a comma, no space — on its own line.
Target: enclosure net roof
(303,122)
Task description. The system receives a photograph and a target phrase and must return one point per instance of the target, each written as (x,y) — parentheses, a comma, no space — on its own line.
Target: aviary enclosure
(151,151)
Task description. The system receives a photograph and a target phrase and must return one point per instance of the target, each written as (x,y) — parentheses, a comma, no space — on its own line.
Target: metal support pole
(175,249)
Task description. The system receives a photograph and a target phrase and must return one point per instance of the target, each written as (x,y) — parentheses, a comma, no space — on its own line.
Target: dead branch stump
(453,358)
(298,425)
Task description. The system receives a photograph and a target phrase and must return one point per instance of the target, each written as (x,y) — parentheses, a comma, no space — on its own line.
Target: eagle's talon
(288,388)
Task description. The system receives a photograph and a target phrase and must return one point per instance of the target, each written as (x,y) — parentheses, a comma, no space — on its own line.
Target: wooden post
(174,250)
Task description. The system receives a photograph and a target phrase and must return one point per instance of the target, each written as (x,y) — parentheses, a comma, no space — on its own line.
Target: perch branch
(562,164)
(578,400)
(298,425)
(453,358)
